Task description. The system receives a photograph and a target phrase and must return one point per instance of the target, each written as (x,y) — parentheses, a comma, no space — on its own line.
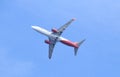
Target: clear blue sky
(23,52)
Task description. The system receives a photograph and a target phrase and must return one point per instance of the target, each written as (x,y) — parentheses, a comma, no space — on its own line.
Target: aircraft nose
(37,28)
(33,27)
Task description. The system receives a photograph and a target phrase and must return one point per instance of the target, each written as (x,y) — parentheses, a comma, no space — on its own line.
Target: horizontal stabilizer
(79,44)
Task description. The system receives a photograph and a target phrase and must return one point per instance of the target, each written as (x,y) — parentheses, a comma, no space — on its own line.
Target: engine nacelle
(54,30)
(47,41)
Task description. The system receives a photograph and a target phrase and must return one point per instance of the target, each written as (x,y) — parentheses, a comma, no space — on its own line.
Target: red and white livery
(55,36)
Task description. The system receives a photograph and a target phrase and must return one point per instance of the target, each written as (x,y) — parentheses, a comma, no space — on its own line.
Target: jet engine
(47,41)
(54,30)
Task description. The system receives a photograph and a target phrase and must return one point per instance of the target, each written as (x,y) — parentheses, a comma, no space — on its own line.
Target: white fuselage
(47,33)
(53,36)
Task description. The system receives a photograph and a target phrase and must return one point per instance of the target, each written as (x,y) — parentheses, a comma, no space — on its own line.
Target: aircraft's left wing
(51,47)
(61,29)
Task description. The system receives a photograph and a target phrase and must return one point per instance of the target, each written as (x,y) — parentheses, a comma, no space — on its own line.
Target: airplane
(54,36)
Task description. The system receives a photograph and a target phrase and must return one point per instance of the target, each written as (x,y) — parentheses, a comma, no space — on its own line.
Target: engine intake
(47,41)
(54,30)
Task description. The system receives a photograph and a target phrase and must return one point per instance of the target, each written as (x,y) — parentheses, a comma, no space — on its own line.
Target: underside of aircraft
(55,36)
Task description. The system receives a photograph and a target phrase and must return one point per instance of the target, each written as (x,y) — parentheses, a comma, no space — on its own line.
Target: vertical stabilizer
(79,44)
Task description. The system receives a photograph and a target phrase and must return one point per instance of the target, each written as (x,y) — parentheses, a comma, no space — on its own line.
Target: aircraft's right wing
(61,29)
(51,46)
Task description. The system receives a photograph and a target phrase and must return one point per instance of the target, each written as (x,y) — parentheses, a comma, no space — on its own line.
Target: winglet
(73,19)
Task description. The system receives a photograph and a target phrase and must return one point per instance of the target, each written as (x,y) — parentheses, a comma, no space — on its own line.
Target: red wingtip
(73,19)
